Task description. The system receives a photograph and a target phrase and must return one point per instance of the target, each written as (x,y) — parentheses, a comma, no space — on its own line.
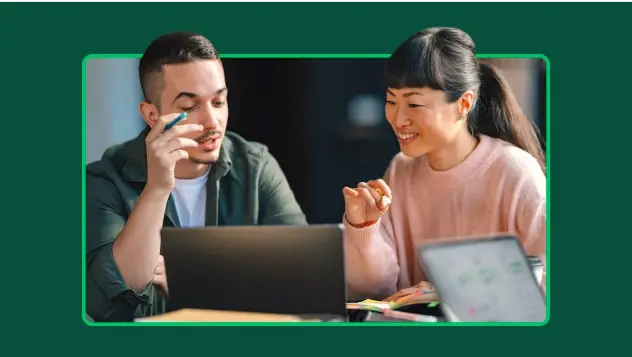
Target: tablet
(482,279)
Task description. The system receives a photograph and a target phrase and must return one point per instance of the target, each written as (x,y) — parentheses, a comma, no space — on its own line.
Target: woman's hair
(445,59)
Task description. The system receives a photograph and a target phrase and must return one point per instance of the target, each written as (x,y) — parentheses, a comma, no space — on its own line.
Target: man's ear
(149,112)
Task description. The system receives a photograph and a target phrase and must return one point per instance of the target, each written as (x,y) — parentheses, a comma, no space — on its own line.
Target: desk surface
(193,315)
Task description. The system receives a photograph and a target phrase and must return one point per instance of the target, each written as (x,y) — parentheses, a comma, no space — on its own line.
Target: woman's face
(423,120)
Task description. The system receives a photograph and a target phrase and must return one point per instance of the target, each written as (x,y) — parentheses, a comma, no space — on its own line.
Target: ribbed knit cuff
(362,238)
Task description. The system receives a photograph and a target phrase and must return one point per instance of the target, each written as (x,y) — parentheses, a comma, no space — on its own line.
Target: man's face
(198,88)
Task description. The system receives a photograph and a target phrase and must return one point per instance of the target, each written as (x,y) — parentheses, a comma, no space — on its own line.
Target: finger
(384,203)
(176,144)
(177,131)
(160,269)
(177,155)
(382,186)
(159,126)
(376,195)
(401,293)
(366,195)
(381,201)
(395,296)
(424,285)
(159,280)
(349,192)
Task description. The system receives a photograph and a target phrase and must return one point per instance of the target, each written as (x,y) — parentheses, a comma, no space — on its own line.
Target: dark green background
(42,47)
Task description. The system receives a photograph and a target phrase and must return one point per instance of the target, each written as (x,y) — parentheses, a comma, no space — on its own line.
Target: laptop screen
(484,280)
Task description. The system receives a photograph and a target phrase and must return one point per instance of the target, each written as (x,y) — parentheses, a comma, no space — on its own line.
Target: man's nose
(209,116)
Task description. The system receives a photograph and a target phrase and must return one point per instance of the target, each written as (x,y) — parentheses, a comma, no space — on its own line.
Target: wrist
(359,225)
(363,225)
(156,194)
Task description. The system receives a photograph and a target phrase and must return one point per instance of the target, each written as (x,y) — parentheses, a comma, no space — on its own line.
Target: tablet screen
(485,280)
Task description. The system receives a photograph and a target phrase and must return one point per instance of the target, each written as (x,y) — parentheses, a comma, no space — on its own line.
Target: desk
(194,315)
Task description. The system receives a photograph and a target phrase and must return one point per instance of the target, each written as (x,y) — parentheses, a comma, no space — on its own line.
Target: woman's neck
(453,154)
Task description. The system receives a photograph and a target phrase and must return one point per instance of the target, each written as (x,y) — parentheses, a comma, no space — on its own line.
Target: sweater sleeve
(371,264)
(529,205)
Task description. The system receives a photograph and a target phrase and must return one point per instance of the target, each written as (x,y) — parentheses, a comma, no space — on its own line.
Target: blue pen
(176,121)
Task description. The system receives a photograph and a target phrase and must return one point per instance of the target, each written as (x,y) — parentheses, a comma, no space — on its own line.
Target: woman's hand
(365,204)
(421,287)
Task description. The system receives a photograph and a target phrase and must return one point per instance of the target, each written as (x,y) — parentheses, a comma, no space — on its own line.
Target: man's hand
(165,149)
(160,277)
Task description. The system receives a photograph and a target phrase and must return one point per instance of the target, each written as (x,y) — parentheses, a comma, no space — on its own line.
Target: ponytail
(499,115)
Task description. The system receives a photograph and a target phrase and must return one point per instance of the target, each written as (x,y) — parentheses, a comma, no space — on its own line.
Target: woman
(470,164)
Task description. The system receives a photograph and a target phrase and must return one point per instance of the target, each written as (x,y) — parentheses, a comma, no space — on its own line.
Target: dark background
(298,108)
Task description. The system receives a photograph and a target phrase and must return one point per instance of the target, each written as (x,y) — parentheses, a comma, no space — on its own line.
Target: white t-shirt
(189,197)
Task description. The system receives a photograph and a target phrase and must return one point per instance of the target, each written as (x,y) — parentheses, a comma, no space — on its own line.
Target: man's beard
(207,134)
(202,162)
(200,138)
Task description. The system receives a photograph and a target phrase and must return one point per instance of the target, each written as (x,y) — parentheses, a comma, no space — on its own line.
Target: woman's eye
(390,102)
(414,106)
(189,109)
(218,104)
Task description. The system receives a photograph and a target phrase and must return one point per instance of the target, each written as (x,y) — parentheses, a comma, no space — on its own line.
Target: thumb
(384,202)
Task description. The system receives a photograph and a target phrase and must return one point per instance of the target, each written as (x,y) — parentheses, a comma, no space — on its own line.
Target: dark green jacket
(245,187)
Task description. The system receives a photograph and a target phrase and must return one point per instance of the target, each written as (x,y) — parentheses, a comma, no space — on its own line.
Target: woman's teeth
(406,136)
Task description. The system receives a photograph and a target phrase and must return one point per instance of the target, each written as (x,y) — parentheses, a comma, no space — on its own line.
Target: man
(194,174)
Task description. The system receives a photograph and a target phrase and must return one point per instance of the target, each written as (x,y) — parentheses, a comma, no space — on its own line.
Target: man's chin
(204,161)
(205,158)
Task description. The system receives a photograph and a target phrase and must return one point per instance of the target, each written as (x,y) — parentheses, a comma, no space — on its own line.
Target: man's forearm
(137,247)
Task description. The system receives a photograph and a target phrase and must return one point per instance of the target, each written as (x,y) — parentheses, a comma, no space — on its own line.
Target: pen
(176,121)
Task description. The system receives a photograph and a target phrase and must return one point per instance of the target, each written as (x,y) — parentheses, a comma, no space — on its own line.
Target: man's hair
(171,48)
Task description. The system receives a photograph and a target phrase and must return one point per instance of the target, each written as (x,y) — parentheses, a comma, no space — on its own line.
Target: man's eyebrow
(193,95)
(185,94)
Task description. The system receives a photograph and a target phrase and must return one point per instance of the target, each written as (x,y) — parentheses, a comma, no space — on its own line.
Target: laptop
(296,270)
(483,279)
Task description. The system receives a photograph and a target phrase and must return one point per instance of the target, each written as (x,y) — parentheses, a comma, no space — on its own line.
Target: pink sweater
(498,188)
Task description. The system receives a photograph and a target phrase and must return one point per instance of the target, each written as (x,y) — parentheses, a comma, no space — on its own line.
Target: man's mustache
(208,134)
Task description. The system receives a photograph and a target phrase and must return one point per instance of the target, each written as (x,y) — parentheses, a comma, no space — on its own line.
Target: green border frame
(311,56)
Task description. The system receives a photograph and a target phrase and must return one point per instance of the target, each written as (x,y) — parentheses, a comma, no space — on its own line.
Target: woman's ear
(149,112)
(466,103)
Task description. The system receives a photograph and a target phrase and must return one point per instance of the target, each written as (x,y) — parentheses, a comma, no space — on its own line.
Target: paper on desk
(381,306)
(373,305)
